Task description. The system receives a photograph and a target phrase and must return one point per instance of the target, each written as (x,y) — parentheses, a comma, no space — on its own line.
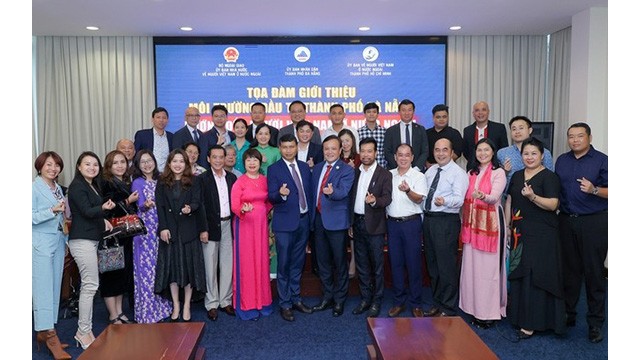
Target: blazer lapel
(44,190)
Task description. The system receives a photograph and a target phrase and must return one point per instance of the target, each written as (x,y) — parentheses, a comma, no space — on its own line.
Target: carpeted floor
(321,336)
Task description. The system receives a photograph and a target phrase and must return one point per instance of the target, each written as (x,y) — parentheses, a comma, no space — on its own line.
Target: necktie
(432,189)
(296,179)
(323,185)
(195,135)
(407,136)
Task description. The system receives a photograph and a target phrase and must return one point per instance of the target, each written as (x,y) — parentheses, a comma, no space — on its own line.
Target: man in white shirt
(336,115)
(447,184)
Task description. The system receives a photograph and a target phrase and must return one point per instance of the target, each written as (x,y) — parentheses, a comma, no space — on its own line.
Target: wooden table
(441,338)
(166,341)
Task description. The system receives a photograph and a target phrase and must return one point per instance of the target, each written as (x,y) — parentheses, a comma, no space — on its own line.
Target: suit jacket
(419,143)
(211,201)
(375,216)
(184,136)
(143,139)
(273,140)
(291,129)
(497,132)
(209,139)
(315,151)
(335,207)
(86,211)
(42,200)
(286,212)
(184,228)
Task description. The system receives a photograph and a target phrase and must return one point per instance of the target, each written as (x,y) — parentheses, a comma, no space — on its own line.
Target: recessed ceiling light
(364,28)
(455,27)
(93,28)
(354,41)
(186,28)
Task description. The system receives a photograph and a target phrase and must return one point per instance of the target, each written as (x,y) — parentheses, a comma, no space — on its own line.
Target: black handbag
(110,258)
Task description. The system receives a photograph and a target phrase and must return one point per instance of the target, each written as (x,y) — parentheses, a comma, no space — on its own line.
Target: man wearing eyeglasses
(190,132)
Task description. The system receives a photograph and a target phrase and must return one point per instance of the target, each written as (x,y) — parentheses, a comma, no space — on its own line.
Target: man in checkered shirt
(373,130)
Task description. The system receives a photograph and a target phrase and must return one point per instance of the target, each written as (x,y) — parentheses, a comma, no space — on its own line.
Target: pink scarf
(479,219)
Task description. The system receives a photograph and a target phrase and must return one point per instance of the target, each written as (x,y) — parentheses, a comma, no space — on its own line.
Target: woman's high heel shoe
(50,339)
(81,344)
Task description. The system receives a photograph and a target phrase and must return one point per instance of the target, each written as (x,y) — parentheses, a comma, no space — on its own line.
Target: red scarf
(479,219)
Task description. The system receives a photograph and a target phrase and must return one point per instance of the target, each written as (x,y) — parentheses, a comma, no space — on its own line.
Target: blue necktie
(195,135)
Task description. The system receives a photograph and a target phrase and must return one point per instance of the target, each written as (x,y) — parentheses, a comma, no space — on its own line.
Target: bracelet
(534,198)
(408,190)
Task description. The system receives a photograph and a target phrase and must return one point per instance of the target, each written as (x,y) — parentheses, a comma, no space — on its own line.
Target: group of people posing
(210,202)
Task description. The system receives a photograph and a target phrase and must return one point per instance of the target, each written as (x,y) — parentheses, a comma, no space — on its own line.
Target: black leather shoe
(396,310)
(571,322)
(338,309)
(361,308)
(521,335)
(595,334)
(374,311)
(434,311)
(324,305)
(287,314)
(300,306)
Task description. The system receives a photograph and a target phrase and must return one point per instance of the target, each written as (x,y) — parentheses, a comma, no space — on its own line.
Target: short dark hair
(371,105)
(439,107)
(534,142)
(42,159)
(335,106)
(520,117)
(287,138)
(242,121)
(258,104)
(252,153)
(407,102)
(302,123)
(78,174)
(475,164)
(298,102)
(219,107)
(580,125)
(137,172)
(191,143)
(217,147)
(331,137)
(158,110)
(369,140)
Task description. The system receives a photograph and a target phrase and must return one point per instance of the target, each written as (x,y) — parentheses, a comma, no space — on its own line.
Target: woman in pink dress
(251,283)
(483,277)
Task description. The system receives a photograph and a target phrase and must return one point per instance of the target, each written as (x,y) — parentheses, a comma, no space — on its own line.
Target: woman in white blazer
(48,250)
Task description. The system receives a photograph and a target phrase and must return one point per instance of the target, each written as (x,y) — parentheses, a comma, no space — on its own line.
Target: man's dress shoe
(229,310)
(212,314)
(287,314)
(417,312)
(338,309)
(361,308)
(302,307)
(595,334)
(324,305)
(435,312)
(396,310)
(374,311)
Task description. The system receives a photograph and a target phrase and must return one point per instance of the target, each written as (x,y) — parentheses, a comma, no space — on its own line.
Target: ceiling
(304,17)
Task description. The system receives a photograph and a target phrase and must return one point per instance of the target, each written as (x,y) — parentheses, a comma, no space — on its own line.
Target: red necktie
(324,184)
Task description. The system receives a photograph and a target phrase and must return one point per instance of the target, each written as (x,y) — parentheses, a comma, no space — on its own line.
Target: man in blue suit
(156,139)
(289,184)
(331,183)
(190,133)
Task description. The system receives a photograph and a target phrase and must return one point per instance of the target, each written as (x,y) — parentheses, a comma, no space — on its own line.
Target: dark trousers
(441,232)
(405,246)
(331,251)
(584,244)
(290,248)
(369,253)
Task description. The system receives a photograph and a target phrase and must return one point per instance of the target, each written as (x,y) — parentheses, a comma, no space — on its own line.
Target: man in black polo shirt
(441,129)
(584,176)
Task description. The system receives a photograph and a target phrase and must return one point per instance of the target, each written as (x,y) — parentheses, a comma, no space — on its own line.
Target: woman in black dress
(181,223)
(536,295)
(117,188)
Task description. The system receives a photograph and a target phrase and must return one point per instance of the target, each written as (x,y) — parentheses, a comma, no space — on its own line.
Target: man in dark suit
(308,151)
(217,243)
(258,114)
(331,183)
(289,184)
(370,196)
(297,112)
(218,134)
(482,128)
(190,133)
(401,132)
(156,139)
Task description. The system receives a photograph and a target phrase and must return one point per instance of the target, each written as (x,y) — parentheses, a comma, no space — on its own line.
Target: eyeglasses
(195,116)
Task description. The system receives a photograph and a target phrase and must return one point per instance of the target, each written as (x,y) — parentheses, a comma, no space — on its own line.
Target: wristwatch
(595,190)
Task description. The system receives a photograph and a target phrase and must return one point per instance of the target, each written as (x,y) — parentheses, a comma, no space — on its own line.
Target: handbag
(128,225)
(110,258)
